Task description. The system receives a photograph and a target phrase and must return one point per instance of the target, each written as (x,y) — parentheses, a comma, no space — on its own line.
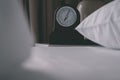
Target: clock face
(66,16)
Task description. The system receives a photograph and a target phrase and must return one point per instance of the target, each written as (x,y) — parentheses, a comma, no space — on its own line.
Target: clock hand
(67,15)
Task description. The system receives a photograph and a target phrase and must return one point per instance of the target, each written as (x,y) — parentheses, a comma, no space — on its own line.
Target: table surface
(75,62)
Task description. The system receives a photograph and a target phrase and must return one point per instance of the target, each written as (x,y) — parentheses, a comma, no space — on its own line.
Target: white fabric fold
(103,26)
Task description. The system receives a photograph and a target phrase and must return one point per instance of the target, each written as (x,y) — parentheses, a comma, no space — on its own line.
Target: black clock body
(63,35)
(58,26)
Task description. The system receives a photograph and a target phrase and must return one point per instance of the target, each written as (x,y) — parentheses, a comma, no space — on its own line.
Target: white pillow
(103,26)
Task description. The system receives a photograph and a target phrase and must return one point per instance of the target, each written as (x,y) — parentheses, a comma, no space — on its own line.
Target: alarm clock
(66,17)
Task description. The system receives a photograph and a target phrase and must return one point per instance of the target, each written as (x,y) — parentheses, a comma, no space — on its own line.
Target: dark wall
(40,20)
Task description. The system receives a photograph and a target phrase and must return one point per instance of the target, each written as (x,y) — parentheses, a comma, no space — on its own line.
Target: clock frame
(58,26)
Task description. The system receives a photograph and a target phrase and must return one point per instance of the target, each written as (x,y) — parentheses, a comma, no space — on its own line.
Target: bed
(73,63)
(52,62)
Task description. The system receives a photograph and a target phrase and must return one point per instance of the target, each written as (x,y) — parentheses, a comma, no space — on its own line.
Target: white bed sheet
(75,62)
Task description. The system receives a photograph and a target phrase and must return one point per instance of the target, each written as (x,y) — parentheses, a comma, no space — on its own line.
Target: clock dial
(66,16)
